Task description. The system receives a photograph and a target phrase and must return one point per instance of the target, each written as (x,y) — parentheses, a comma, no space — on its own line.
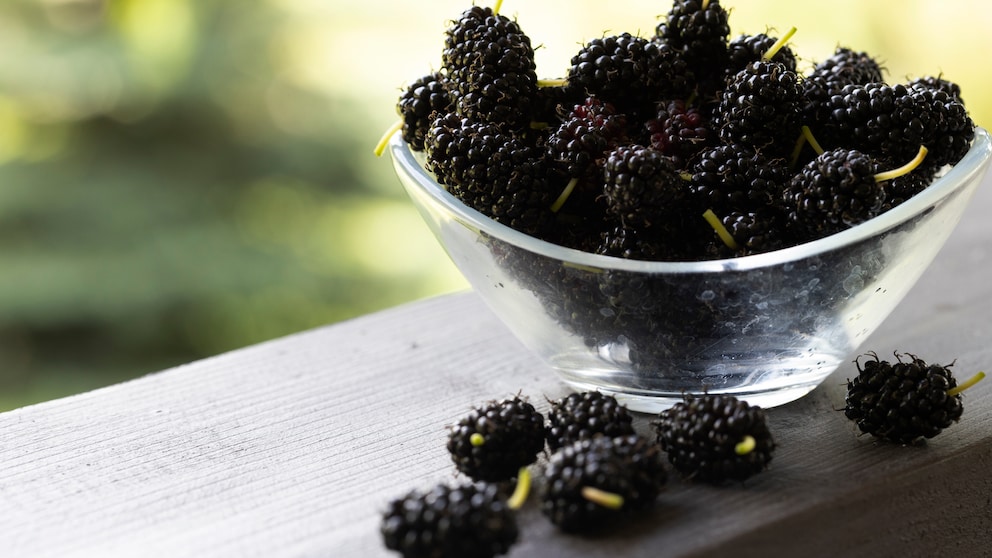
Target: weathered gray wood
(292,447)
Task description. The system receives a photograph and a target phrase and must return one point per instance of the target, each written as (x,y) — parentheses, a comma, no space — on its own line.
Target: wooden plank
(293,447)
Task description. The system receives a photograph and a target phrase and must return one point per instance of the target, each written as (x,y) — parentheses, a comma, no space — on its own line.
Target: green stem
(603,498)
(773,50)
(721,230)
(905,169)
(384,140)
(569,188)
(746,445)
(812,140)
(966,384)
(520,491)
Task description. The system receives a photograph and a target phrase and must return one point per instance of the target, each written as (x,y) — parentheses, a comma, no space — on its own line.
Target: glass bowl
(767,328)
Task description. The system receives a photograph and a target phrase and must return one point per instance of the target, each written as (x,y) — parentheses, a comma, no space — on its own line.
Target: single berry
(492,442)
(839,189)
(679,131)
(736,177)
(490,62)
(418,105)
(699,31)
(492,171)
(583,415)
(761,107)
(577,147)
(630,72)
(829,77)
(893,121)
(715,437)
(589,482)
(835,191)
(903,401)
(450,522)
(643,188)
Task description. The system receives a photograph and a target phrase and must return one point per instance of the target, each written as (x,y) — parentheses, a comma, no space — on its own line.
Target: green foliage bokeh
(180,178)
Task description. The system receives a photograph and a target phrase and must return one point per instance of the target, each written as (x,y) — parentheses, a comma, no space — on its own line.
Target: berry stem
(384,140)
(812,140)
(746,445)
(552,82)
(705,5)
(497,5)
(569,188)
(773,50)
(797,150)
(476,439)
(521,490)
(966,384)
(905,169)
(603,498)
(721,230)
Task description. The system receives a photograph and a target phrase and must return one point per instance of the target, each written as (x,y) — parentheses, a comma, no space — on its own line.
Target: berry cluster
(646,134)
(598,468)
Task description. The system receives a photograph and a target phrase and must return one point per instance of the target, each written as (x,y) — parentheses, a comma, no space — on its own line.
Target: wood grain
(293,447)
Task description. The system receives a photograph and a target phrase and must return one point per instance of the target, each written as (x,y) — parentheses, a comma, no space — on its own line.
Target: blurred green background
(180,178)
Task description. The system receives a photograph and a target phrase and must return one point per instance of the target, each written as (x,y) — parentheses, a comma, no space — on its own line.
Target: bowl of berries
(687,212)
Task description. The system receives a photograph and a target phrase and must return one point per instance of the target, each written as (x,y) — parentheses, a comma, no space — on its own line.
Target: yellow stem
(569,188)
(905,169)
(384,140)
(797,150)
(552,82)
(706,4)
(746,445)
(520,491)
(773,50)
(721,230)
(603,498)
(812,141)
(966,384)
(497,6)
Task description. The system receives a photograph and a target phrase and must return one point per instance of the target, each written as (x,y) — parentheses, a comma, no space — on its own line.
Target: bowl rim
(957,176)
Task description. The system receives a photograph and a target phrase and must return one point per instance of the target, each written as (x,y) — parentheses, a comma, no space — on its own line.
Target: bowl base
(766,380)
(655,403)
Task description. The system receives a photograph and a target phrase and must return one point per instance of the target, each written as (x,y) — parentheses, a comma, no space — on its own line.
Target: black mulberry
(450,522)
(715,437)
(581,416)
(902,401)
(492,442)
(592,481)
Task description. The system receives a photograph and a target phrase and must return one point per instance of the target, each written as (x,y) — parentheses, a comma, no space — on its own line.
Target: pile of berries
(645,135)
(597,468)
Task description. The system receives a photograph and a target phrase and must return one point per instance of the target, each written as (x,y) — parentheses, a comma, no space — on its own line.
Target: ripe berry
(420,101)
(630,72)
(581,416)
(492,442)
(715,437)
(490,63)
(594,480)
(679,131)
(495,172)
(903,401)
(450,522)
(761,107)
